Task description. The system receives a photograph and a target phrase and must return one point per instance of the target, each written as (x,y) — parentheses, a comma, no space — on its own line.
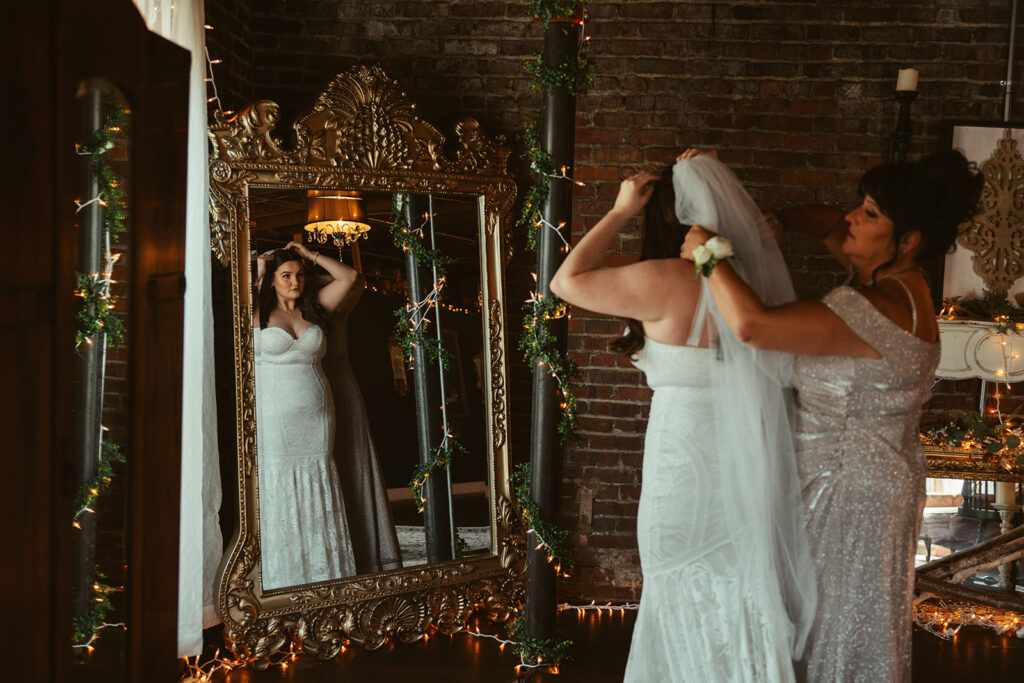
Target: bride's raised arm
(345,279)
(637,290)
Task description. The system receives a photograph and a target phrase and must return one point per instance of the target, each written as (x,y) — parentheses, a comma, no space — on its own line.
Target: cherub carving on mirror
(330,419)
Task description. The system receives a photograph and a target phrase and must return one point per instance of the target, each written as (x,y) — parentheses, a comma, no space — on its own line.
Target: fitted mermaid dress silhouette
(699,619)
(304,535)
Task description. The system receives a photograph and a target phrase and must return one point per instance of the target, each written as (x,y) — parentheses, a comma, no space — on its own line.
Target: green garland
(990,307)
(440,459)
(538,345)
(546,10)
(411,324)
(542,169)
(410,331)
(573,76)
(97,315)
(552,539)
(972,432)
(97,312)
(409,240)
(111,193)
(91,488)
(84,629)
(551,651)
(410,336)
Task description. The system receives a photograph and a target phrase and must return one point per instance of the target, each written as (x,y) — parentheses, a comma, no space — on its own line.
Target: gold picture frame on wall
(363,134)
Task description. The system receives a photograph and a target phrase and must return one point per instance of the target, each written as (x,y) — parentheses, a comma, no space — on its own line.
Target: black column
(561,41)
(91,356)
(427,391)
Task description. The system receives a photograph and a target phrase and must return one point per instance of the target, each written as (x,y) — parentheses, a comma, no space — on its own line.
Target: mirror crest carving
(364,134)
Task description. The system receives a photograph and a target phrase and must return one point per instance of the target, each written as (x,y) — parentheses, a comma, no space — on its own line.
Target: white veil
(761,502)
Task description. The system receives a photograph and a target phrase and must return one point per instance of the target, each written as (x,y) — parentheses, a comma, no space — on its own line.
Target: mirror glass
(339,437)
(101,419)
(960,514)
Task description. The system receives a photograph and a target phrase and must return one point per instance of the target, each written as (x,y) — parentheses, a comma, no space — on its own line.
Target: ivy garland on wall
(95,316)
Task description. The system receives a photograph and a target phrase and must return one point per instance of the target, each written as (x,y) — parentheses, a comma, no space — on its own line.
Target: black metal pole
(561,43)
(1008,83)
(426,389)
(89,388)
(899,141)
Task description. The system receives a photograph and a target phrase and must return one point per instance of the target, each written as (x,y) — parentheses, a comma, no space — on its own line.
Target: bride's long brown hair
(662,238)
(308,305)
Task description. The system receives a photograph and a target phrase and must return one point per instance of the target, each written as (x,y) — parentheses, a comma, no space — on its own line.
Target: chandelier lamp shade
(335,215)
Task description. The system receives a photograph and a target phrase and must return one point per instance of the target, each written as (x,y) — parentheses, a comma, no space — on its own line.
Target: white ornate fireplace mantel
(972,348)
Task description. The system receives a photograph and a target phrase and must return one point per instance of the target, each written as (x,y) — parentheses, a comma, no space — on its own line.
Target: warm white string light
(557,229)
(215,98)
(96,634)
(945,619)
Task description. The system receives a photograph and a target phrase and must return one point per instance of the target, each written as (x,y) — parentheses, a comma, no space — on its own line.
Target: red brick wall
(796,95)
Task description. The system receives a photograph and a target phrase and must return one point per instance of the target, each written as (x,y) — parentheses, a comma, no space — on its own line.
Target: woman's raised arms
(345,279)
(647,291)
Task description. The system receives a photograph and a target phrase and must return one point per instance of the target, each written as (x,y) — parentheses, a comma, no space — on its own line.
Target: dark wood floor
(599,656)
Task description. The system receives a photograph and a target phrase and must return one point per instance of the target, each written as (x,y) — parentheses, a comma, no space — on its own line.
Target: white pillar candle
(906,79)
(1006,493)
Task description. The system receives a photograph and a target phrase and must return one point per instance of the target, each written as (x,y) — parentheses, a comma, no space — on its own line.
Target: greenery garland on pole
(537,343)
(96,315)
(411,323)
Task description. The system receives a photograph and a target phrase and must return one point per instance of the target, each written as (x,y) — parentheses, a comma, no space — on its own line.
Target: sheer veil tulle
(752,407)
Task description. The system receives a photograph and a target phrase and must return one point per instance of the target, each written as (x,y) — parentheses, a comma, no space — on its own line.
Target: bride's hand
(695,236)
(696,152)
(301,248)
(634,192)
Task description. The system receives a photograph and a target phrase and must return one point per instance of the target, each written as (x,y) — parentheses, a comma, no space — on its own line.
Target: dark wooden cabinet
(50,47)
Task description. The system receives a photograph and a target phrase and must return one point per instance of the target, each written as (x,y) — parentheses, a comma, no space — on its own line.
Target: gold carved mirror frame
(365,134)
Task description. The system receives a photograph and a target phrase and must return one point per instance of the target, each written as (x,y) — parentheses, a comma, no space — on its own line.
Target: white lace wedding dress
(304,535)
(729,589)
(698,620)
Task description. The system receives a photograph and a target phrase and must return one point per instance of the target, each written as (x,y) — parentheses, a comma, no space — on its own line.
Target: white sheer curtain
(182,21)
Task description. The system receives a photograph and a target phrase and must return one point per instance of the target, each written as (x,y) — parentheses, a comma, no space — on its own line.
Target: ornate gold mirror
(398,251)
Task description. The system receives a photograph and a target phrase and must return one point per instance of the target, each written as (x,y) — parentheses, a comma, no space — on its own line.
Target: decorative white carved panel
(975,349)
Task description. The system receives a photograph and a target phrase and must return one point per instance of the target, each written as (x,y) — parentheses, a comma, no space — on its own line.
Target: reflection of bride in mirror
(304,533)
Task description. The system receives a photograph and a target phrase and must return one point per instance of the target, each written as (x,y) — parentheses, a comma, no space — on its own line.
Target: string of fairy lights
(96,319)
(942,618)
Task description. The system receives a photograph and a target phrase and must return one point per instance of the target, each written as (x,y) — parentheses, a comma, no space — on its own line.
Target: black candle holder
(899,141)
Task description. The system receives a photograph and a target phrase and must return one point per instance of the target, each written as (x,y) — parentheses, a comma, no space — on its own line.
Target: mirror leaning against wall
(367,274)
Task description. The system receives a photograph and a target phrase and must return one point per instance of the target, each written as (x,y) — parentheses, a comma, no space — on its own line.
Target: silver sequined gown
(862,471)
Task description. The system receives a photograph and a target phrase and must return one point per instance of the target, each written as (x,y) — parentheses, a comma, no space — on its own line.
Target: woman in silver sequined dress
(866,356)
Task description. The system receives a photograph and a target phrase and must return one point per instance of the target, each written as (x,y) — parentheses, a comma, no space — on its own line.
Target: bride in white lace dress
(304,534)
(728,582)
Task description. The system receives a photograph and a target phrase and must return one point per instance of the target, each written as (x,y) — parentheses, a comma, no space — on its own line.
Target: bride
(304,533)
(728,587)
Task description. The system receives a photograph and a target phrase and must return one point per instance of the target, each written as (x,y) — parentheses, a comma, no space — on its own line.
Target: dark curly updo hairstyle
(933,196)
(308,305)
(662,238)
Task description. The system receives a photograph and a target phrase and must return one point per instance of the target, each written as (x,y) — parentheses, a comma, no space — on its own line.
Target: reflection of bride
(304,534)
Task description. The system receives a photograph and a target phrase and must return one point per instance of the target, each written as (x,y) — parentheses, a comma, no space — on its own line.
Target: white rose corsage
(708,255)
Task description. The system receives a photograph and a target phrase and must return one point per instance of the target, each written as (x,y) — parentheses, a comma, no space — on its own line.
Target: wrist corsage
(708,255)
